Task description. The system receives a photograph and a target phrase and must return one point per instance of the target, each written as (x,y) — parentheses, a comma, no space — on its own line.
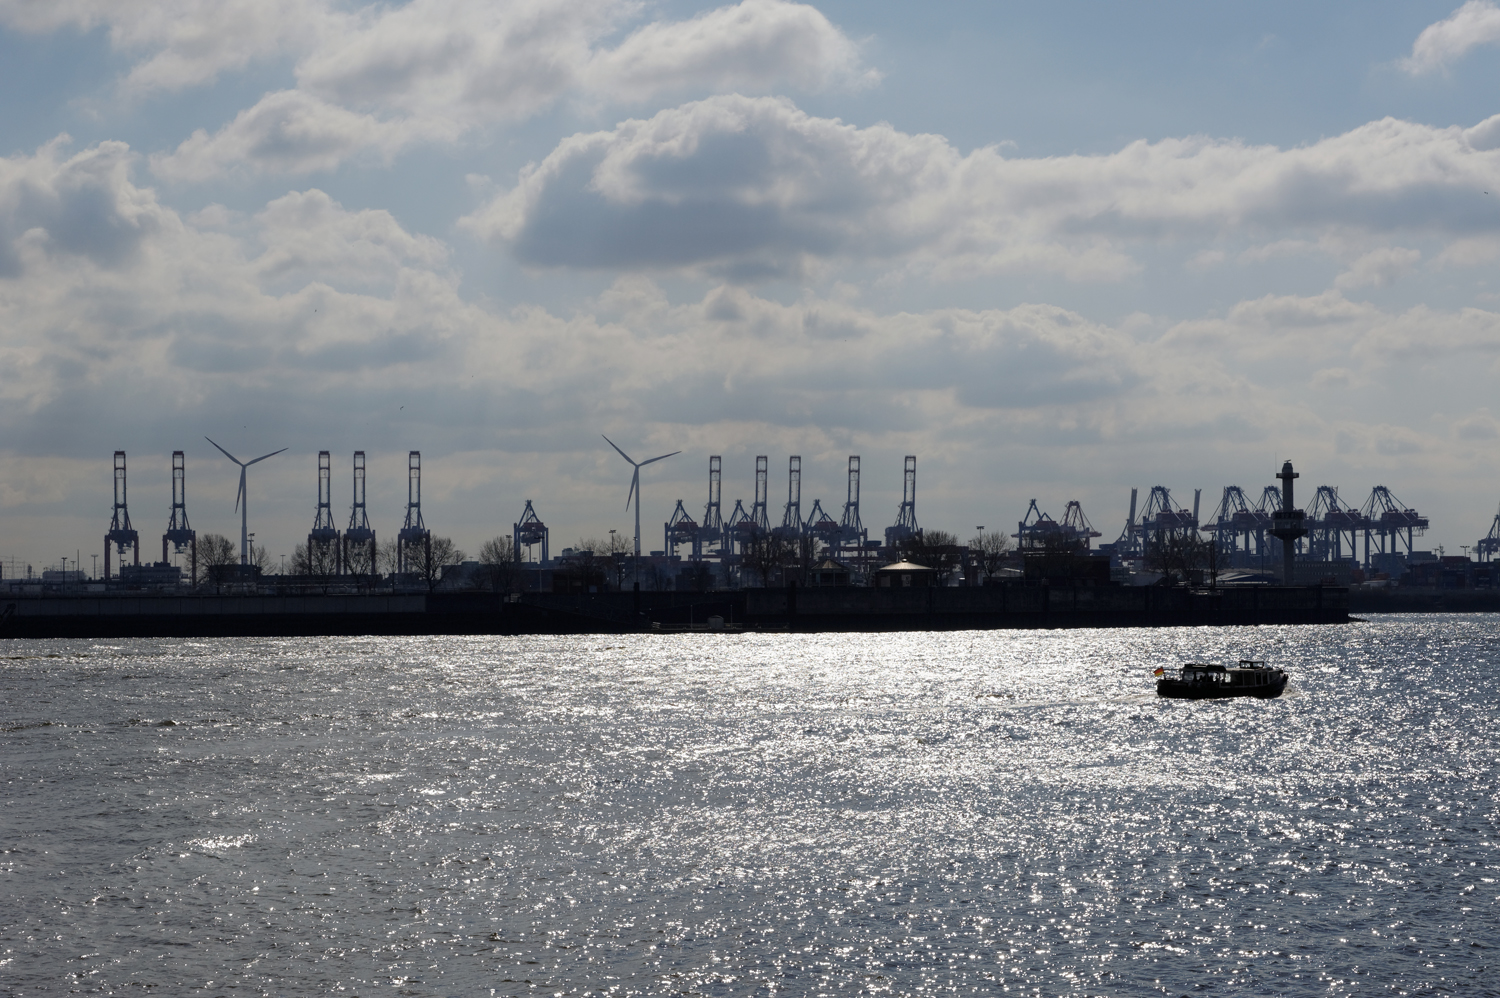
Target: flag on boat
(1159,671)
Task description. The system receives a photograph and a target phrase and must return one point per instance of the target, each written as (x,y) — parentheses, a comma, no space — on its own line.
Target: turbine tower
(635,490)
(242,499)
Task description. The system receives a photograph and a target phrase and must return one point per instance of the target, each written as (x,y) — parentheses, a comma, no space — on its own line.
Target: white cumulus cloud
(752,45)
(374,78)
(185,43)
(291,132)
(755,187)
(1442,44)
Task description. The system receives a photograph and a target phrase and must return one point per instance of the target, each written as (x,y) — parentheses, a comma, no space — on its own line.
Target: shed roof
(905,566)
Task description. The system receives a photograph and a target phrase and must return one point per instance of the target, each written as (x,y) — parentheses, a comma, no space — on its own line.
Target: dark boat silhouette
(1199,681)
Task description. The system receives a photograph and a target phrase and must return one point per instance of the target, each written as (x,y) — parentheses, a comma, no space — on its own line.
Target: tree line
(426,561)
(769,558)
(772,556)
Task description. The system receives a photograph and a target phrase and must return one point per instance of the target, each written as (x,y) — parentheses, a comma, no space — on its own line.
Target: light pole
(614,556)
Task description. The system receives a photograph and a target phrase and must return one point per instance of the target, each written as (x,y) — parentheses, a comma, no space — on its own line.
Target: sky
(1057,251)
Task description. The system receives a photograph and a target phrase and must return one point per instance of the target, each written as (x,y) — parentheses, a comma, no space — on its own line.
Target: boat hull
(1176,689)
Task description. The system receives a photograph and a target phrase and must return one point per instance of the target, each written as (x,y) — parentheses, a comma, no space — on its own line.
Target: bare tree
(653,577)
(496,550)
(699,576)
(937,549)
(616,549)
(427,561)
(357,560)
(807,548)
(497,564)
(387,556)
(260,558)
(1178,556)
(991,549)
(590,563)
(323,558)
(215,550)
(315,559)
(765,553)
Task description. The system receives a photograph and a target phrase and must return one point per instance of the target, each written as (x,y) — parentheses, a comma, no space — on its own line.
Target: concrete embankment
(1043,606)
(796,609)
(1415,599)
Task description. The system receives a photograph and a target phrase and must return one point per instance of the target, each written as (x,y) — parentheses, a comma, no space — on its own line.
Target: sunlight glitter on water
(788,814)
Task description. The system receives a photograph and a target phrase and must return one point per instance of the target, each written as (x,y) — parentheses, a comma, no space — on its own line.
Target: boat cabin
(1247,673)
(1194,672)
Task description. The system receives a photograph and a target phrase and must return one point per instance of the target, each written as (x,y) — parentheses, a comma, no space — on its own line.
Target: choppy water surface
(776,814)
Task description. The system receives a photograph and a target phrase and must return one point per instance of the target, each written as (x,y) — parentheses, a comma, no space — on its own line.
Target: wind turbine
(635,491)
(242,499)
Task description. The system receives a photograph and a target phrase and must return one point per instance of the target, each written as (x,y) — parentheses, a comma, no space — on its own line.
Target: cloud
(1206,259)
(290,132)
(475,62)
(107,294)
(311,237)
(461,60)
(1440,45)
(80,207)
(1353,340)
(1379,268)
(373,78)
(751,188)
(1478,425)
(1334,378)
(753,45)
(749,183)
(185,43)
(307,313)
(313,325)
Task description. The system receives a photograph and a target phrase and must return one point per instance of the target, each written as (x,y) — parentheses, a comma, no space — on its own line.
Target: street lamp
(614,556)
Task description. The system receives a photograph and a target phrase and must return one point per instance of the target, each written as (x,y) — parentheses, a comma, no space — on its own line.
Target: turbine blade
(240,492)
(612,444)
(662,458)
(226,453)
(263,457)
(635,480)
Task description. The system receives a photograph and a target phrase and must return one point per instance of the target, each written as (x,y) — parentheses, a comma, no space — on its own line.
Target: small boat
(1212,682)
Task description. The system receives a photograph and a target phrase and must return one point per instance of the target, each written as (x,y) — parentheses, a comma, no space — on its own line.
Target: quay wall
(1044,606)
(791,608)
(1418,599)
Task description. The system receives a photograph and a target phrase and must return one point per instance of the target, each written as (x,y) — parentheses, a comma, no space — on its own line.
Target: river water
(892,814)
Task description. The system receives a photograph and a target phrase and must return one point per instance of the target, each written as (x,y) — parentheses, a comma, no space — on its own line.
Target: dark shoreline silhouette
(775,609)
